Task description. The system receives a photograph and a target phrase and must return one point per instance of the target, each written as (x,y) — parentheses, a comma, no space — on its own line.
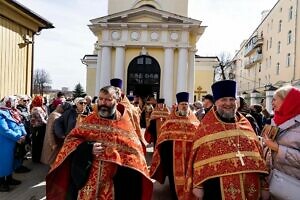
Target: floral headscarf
(10,103)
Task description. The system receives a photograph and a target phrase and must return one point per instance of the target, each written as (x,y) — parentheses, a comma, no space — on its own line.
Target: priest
(226,160)
(174,145)
(100,157)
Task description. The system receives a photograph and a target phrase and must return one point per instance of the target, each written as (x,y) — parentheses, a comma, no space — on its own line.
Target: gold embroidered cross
(87,190)
(240,155)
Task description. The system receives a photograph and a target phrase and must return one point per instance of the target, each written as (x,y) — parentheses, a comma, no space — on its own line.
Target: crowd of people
(210,149)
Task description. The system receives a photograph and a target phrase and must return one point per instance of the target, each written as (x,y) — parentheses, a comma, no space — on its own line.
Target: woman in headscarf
(69,119)
(11,131)
(52,144)
(285,148)
(38,121)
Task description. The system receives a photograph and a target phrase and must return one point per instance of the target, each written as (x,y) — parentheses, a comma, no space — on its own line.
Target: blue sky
(59,50)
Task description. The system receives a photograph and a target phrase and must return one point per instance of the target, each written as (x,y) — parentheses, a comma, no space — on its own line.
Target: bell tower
(179,7)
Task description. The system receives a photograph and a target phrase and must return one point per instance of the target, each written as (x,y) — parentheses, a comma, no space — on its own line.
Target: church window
(148,5)
(140,61)
(148,61)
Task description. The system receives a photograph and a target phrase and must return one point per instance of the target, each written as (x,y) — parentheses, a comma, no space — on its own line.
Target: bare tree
(225,61)
(41,79)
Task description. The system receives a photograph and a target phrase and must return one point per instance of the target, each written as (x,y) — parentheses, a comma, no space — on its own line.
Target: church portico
(166,37)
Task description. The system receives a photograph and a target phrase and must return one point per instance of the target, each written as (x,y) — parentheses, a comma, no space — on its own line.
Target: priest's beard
(226,115)
(106,111)
(182,112)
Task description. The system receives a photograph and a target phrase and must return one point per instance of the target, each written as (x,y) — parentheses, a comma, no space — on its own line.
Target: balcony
(254,43)
(252,60)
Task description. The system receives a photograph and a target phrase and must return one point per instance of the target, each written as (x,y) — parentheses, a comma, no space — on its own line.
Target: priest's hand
(199,193)
(97,148)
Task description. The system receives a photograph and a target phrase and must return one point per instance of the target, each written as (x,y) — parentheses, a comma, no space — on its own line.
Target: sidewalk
(33,186)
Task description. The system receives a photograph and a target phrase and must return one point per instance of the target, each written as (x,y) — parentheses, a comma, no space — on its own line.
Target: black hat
(161,101)
(116,82)
(225,88)
(130,98)
(182,97)
(209,97)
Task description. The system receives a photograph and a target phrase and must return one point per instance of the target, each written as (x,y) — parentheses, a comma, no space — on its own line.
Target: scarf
(14,113)
(289,108)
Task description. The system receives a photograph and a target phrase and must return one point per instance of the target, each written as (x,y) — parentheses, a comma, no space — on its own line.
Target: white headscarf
(9,102)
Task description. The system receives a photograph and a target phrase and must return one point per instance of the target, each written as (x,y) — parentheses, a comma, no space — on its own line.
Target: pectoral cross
(240,155)
(87,190)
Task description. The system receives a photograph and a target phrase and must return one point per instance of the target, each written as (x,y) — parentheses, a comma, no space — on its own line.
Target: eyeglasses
(25,100)
(81,103)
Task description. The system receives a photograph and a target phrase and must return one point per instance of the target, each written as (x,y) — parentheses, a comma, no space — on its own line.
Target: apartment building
(268,58)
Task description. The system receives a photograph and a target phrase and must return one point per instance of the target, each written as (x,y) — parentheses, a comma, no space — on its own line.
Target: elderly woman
(52,144)
(285,166)
(69,119)
(11,131)
(38,121)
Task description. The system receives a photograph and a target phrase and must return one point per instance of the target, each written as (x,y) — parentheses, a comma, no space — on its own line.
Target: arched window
(270,43)
(278,47)
(289,40)
(148,5)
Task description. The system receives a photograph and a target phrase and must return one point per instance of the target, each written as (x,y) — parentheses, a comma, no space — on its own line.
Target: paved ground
(33,184)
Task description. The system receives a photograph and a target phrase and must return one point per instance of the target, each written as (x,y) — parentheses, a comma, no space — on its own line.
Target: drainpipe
(32,61)
(295,51)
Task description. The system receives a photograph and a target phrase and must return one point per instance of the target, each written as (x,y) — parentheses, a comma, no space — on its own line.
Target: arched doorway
(143,77)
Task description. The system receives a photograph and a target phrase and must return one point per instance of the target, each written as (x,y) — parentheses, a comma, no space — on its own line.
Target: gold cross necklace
(237,146)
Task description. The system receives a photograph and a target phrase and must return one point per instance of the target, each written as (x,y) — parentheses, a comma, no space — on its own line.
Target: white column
(98,71)
(105,67)
(167,87)
(269,97)
(182,70)
(120,61)
(191,74)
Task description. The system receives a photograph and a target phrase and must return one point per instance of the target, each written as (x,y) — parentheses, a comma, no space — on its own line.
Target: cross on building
(198,93)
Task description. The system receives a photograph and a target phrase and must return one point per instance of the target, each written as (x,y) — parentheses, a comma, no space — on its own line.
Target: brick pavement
(32,186)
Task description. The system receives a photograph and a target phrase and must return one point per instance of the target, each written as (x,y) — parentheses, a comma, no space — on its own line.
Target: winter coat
(10,133)
(287,159)
(65,123)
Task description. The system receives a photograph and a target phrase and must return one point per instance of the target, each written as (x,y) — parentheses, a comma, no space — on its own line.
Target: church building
(149,44)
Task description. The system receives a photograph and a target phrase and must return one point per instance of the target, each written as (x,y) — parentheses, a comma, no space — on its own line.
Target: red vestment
(160,116)
(134,116)
(121,148)
(180,130)
(214,155)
